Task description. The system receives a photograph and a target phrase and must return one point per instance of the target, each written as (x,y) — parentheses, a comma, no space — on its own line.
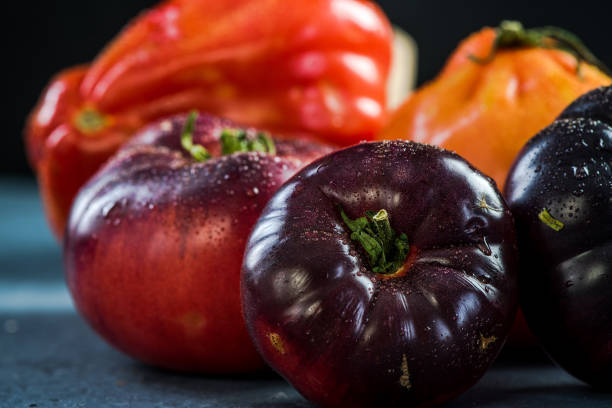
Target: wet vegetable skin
(345,336)
(560,192)
(155,240)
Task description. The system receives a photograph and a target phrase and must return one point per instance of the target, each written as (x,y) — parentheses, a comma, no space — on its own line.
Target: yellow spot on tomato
(549,220)
(277,342)
(486,341)
(405,377)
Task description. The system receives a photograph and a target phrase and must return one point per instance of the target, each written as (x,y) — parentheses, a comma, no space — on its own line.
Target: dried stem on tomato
(512,34)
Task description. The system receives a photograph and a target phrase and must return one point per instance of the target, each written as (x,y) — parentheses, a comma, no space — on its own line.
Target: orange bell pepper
(499,88)
(308,68)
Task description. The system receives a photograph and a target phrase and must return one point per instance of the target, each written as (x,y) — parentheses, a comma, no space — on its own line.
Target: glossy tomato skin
(305,68)
(566,274)
(345,337)
(155,241)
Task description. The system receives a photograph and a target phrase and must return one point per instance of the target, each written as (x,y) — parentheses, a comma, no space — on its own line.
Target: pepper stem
(232,141)
(512,34)
(90,121)
(386,250)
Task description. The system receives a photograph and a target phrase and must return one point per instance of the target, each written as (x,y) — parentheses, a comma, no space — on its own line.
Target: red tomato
(154,244)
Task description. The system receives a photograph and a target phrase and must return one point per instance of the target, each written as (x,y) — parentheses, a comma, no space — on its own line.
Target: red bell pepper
(300,68)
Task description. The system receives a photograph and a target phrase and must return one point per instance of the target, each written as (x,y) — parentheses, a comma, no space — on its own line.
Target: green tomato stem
(386,250)
(232,141)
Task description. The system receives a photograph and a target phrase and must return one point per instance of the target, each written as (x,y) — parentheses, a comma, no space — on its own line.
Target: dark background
(41,38)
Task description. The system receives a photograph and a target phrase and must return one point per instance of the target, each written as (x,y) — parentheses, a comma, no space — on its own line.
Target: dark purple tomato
(356,306)
(560,192)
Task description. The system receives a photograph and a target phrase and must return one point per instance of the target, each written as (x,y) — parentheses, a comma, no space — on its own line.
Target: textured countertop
(50,358)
